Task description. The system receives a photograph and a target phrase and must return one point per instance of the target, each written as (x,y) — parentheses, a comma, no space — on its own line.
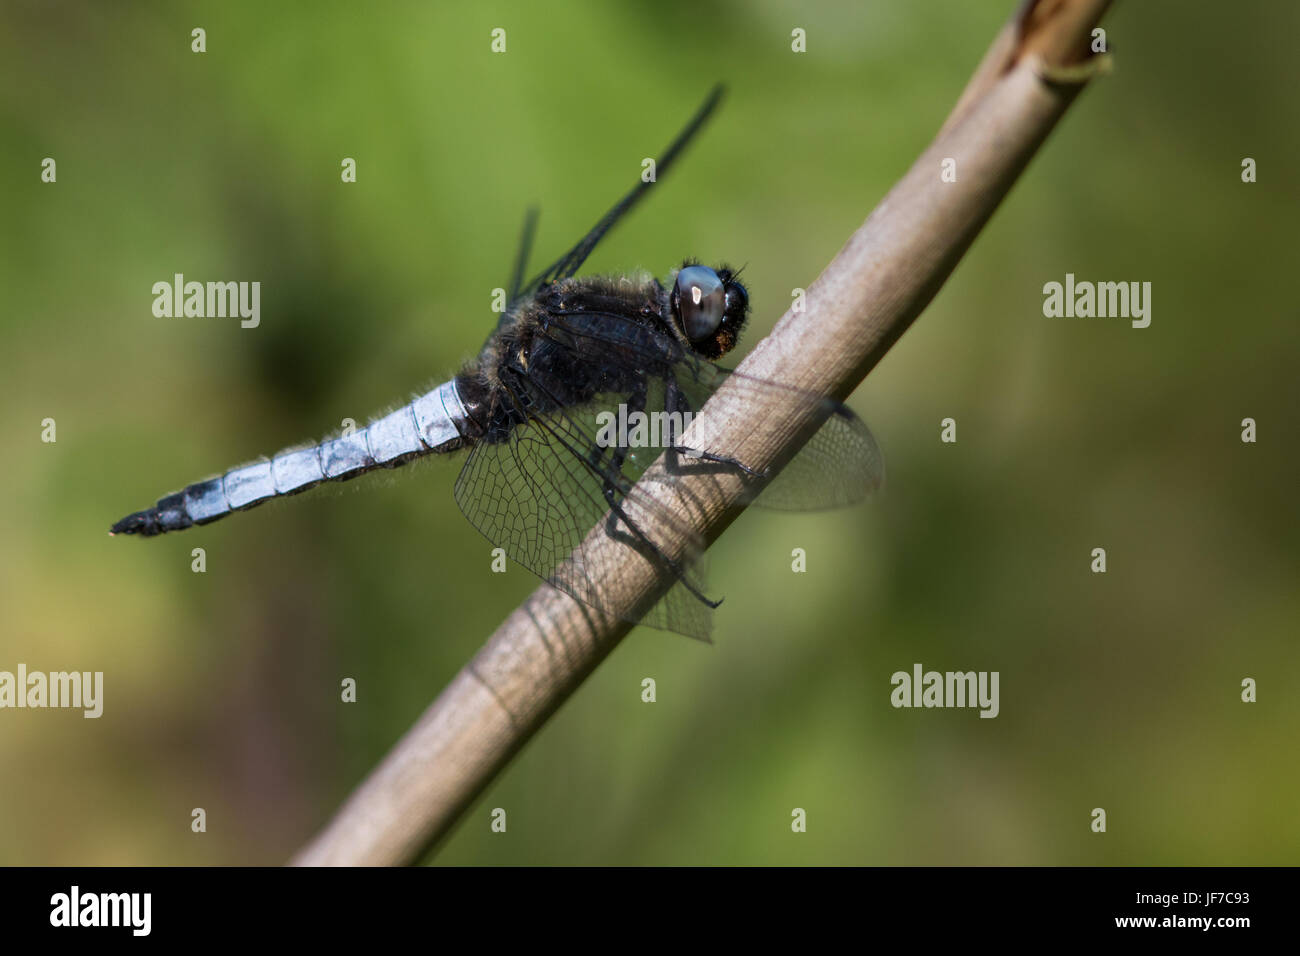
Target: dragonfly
(583,383)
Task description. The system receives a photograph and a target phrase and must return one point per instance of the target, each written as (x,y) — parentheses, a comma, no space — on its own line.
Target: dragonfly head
(710,307)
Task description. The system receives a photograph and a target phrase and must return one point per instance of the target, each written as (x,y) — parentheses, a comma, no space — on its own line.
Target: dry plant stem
(855,311)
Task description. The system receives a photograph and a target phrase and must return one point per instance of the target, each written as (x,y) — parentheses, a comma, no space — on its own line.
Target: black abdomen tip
(168,515)
(143,523)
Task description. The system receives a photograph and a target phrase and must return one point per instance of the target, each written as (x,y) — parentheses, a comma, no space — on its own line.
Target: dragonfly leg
(709,456)
(648,548)
(611,476)
(678,403)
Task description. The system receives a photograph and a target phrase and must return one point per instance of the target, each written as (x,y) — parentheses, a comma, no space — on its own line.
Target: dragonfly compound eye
(737,300)
(700,297)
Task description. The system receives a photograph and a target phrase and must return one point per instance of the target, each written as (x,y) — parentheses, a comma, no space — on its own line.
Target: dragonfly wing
(569,263)
(840,465)
(541,491)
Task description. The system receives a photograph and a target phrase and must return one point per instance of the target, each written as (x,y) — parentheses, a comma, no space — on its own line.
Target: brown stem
(854,312)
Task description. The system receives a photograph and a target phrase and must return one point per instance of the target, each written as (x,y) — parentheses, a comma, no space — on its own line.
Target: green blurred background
(1118,691)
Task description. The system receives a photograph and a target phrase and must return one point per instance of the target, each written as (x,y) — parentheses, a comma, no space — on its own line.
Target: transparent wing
(569,263)
(840,465)
(540,492)
(556,476)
